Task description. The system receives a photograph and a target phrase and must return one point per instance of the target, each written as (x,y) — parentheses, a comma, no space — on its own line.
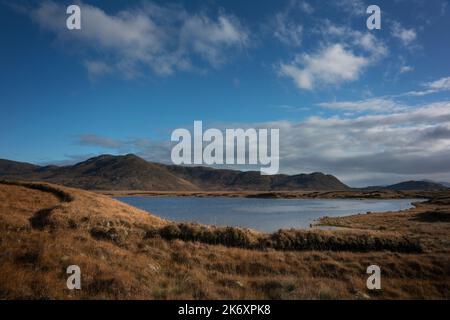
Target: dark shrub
(110,234)
(170,232)
(295,240)
(233,237)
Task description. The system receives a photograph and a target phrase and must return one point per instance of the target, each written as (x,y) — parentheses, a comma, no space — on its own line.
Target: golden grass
(121,257)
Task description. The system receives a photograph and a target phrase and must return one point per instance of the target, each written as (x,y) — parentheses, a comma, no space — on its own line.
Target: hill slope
(130,172)
(417,185)
(209,178)
(15,168)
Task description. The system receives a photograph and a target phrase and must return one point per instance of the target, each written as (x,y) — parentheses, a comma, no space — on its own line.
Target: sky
(371,107)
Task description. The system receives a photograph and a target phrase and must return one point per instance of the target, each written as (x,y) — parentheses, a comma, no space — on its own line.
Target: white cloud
(439,85)
(405,69)
(374,104)
(442,84)
(331,65)
(306,7)
(366,41)
(406,36)
(290,108)
(371,44)
(208,38)
(97,68)
(353,7)
(160,38)
(286,25)
(410,144)
(287,31)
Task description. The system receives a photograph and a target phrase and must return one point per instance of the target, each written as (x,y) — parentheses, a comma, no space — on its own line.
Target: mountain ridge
(130,172)
(417,185)
(410,185)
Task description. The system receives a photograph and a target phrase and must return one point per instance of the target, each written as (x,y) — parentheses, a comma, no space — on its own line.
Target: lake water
(261,214)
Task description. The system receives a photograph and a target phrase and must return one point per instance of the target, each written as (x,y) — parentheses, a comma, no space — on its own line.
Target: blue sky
(368,106)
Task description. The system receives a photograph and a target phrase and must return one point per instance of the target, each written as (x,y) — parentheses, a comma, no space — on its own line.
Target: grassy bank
(126,253)
(295,240)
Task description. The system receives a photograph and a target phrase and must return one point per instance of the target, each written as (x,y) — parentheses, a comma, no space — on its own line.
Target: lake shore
(261,214)
(305,194)
(127,253)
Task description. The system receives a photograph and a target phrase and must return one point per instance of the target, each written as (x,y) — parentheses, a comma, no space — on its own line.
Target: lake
(261,214)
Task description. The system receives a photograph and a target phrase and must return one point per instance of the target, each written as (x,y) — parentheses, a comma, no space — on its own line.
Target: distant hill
(8,167)
(445,184)
(130,172)
(207,178)
(417,185)
(412,185)
(105,172)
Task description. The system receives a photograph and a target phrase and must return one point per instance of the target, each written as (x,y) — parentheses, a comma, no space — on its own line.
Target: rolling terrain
(130,172)
(126,253)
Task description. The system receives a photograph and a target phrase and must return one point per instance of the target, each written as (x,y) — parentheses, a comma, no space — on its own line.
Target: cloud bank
(160,38)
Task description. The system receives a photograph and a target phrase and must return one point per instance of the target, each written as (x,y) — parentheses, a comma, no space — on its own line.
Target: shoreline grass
(125,253)
(286,240)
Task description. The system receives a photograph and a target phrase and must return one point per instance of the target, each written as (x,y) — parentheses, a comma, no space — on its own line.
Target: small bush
(228,236)
(110,234)
(170,232)
(233,237)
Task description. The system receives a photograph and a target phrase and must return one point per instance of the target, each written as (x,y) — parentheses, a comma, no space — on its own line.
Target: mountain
(8,167)
(207,178)
(417,185)
(130,172)
(445,184)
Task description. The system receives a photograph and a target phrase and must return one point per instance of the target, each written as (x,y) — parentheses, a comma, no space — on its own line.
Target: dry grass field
(126,253)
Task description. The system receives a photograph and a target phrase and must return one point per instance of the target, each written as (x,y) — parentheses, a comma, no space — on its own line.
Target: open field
(126,253)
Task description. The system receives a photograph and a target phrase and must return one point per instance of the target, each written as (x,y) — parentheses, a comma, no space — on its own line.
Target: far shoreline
(353,194)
